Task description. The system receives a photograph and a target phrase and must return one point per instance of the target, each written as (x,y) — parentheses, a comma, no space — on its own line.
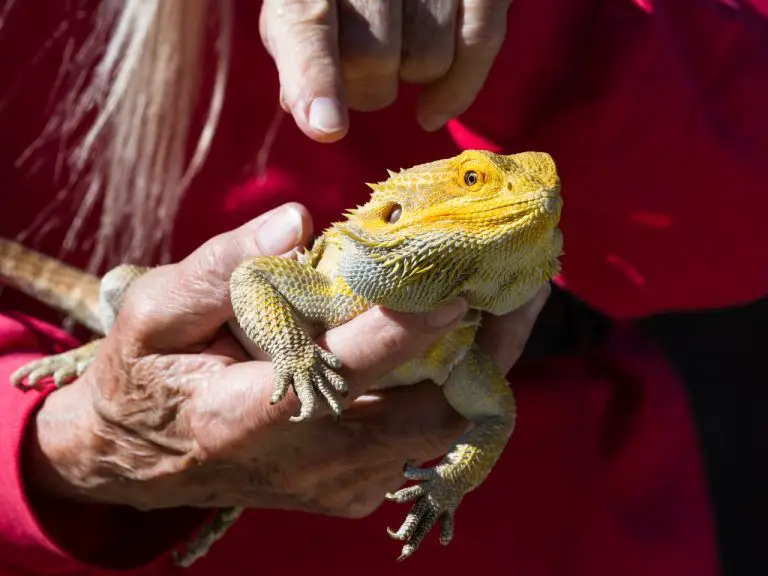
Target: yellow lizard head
(443,228)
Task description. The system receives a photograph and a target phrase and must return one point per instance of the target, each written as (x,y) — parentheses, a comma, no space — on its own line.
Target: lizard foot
(436,500)
(64,367)
(311,371)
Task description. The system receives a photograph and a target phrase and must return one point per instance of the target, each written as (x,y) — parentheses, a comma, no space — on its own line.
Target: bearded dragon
(479,225)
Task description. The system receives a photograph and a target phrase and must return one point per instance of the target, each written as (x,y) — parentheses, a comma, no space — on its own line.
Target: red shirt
(654,111)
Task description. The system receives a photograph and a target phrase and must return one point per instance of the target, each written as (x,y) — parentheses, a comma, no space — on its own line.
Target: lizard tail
(58,285)
(210,533)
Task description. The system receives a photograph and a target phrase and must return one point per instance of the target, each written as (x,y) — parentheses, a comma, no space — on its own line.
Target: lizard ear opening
(393,213)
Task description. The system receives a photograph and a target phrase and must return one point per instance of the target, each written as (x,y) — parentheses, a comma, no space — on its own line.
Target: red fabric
(654,112)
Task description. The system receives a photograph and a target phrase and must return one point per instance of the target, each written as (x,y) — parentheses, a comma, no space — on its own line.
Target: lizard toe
(328,358)
(338,383)
(302,385)
(60,367)
(20,375)
(436,499)
(312,375)
(446,528)
(412,472)
(417,525)
(326,390)
(406,494)
(282,382)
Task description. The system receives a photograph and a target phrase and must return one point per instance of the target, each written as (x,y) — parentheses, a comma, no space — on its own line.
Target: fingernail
(447,313)
(325,115)
(430,123)
(281,232)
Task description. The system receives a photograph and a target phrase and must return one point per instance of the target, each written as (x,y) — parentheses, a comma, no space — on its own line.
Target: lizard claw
(436,501)
(64,367)
(312,372)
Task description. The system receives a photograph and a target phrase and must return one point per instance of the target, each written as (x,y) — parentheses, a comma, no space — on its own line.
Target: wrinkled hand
(173,412)
(335,54)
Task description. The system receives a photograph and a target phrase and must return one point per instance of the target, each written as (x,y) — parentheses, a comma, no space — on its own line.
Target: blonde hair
(134,88)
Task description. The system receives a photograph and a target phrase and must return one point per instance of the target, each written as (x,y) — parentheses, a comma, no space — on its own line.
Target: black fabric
(565,326)
(721,356)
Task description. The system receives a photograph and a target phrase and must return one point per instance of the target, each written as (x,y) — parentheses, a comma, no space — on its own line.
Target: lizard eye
(470,178)
(395,211)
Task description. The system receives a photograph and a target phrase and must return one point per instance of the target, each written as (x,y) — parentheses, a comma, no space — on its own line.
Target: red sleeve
(47,537)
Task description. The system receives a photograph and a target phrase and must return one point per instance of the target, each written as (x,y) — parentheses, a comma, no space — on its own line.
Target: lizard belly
(437,363)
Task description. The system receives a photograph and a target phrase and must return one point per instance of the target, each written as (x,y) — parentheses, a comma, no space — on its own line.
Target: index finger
(370,346)
(505,337)
(302,37)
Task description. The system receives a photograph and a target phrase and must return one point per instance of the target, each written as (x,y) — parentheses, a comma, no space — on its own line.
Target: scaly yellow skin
(480,225)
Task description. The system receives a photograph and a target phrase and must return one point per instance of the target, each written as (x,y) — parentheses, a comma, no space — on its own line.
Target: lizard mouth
(546,202)
(544,206)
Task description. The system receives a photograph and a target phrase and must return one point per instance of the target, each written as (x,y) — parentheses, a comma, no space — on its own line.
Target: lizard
(479,225)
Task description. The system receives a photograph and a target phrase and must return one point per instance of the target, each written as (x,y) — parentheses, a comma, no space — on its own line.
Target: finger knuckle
(359,510)
(367,498)
(362,97)
(332,497)
(293,484)
(391,339)
(369,63)
(299,12)
(369,43)
(214,259)
(360,505)
(485,39)
(425,67)
(334,504)
(137,311)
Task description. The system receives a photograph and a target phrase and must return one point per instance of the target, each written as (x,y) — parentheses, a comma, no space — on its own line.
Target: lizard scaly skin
(479,225)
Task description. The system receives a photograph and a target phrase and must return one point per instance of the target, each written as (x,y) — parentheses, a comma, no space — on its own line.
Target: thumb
(302,38)
(187,303)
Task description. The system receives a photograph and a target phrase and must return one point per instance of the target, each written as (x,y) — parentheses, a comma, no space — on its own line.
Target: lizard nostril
(551,204)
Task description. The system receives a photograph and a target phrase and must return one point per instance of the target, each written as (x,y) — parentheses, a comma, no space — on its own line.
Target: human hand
(173,413)
(335,54)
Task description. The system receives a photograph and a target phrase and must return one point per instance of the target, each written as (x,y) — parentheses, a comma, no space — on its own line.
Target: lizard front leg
(479,392)
(276,302)
(71,364)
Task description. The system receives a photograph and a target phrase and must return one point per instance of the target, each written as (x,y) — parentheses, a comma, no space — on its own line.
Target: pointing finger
(302,37)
